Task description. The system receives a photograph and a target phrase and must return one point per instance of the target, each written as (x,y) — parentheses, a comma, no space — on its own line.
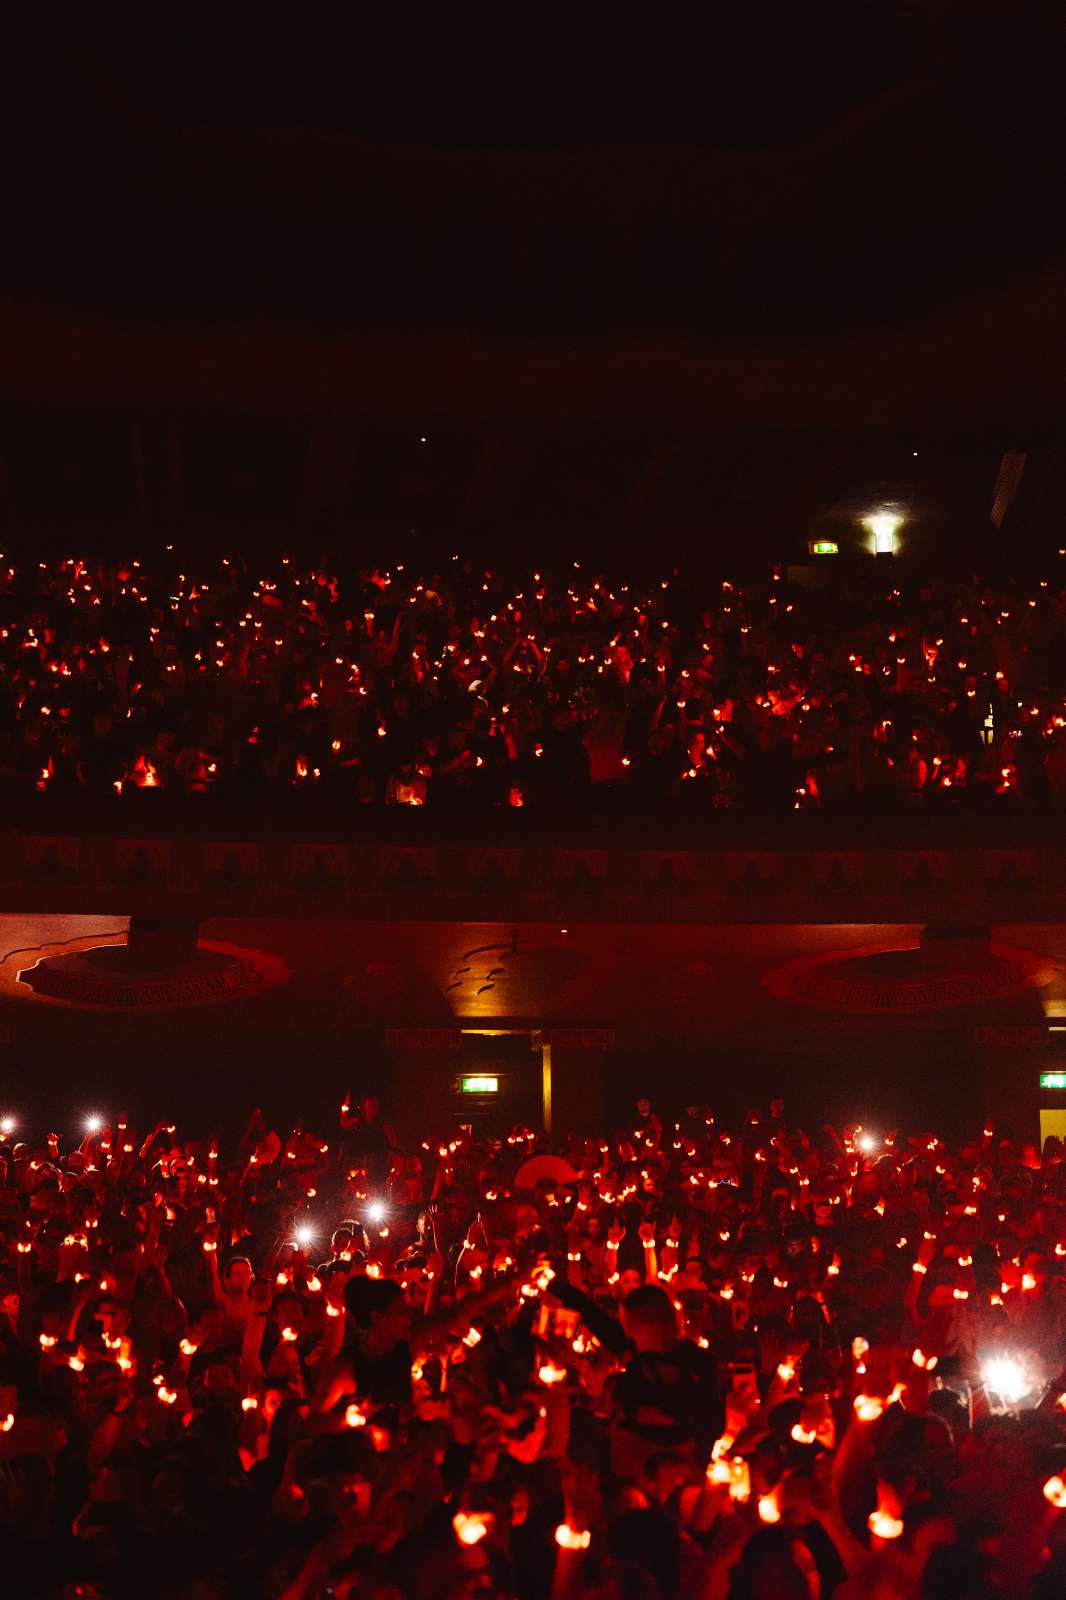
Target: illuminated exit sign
(1053,1080)
(825,547)
(479,1085)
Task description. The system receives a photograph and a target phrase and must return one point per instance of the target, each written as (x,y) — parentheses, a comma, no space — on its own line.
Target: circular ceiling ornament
(103,974)
(889,980)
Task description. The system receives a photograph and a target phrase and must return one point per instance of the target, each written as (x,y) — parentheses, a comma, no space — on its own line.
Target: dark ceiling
(768,169)
(741,72)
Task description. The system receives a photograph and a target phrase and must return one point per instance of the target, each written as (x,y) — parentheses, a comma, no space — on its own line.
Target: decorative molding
(275,876)
(847,981)
(423,1038)
(579,1038)
(66,975)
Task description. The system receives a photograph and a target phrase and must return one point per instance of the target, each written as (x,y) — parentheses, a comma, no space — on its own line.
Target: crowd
(674,1362)
(464,689)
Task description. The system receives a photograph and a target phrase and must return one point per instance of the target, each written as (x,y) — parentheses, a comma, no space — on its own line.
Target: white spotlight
(1006,1377)
(884,525)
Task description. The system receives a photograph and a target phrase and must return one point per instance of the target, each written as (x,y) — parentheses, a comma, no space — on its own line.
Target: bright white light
(470,1528)
(1007,1378)
(883,1525)
(883,526)
(93,1124)
(7,1125)
(769,1510)
(375,1212)
(867,1143)
(304,1236)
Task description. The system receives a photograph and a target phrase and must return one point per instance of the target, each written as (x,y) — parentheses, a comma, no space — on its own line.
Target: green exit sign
(480,1084)
(825,547)
(1053,1080)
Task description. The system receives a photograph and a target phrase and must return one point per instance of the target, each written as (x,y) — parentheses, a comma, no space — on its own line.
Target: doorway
(1052,1123)
(502,1078)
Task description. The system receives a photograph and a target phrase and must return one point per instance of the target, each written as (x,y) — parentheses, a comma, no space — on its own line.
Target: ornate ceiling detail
(885,981)
(100,973)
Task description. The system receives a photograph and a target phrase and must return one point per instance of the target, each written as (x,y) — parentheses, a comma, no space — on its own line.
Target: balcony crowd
(463,689)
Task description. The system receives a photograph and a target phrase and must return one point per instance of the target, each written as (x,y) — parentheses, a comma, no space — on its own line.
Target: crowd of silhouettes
(463,689)
(672,1360)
